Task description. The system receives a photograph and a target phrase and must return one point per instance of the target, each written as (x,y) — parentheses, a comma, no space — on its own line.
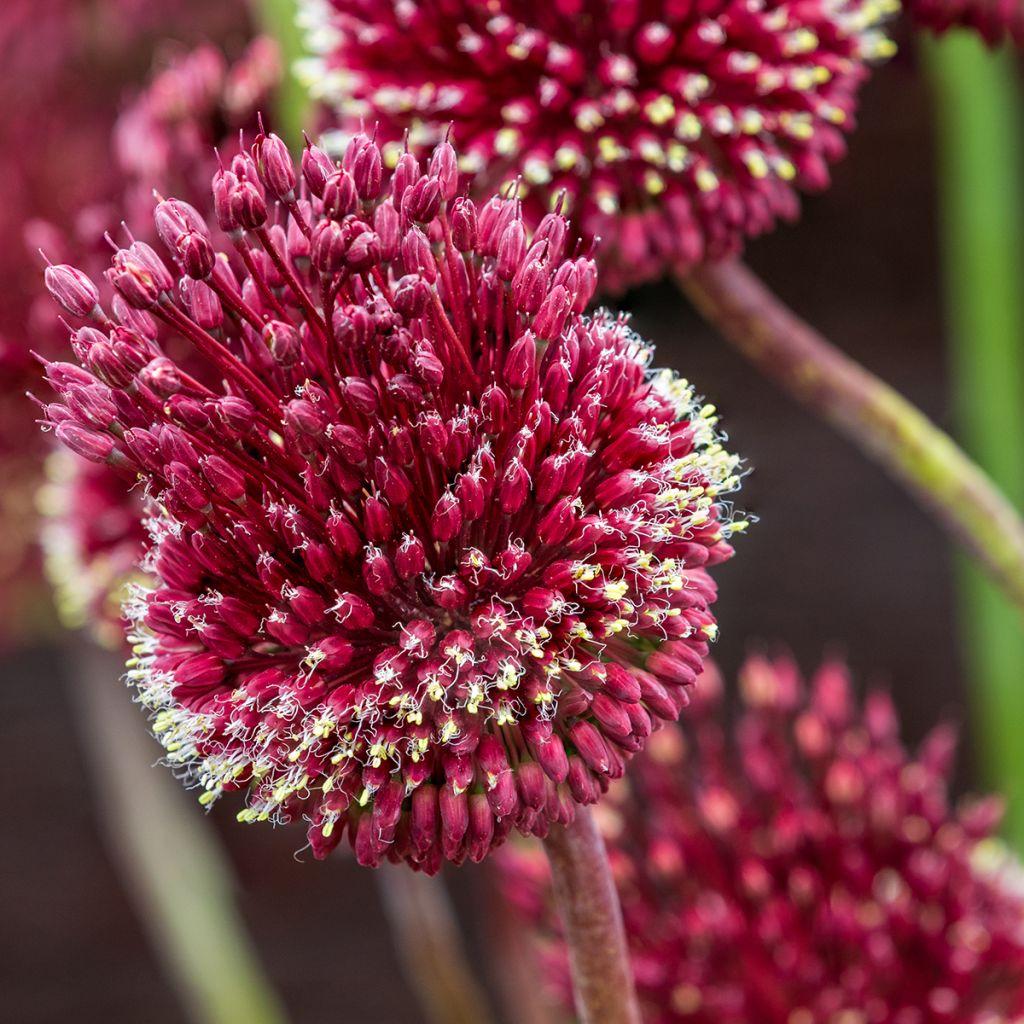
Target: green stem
(277,19)
(980,120)
(168,857)
(426,935)
(869,412)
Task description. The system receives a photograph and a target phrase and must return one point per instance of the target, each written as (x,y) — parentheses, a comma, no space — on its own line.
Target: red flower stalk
(430,559)
(800,867)
(675,128)
(995,20)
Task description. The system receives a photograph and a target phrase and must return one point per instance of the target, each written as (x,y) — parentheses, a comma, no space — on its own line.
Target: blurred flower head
(996,21)
(92,539)
(162,143)
(673,128)
(801,866)
(429,560)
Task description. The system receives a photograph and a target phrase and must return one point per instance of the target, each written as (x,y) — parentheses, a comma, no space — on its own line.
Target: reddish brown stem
(869,412)
(592,920)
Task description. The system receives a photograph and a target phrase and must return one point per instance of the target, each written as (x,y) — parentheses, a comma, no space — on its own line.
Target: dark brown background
(840,560)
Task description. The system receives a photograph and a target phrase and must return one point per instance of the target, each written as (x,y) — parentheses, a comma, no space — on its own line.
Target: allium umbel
(801,867)
(676,127)
(430,562)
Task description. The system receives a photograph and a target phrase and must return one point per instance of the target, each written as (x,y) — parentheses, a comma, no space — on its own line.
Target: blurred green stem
(168,856)
(876,417)
(426,935)
(277,18)
(980,122)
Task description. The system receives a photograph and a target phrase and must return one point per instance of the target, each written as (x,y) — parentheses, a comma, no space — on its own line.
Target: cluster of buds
(994,20)
(429,547)
(674,128)
(800,867)
(163,142)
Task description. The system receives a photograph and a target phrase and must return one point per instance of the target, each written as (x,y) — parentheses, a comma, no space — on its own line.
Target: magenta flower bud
(422,201)
(187,487)
(248,206)
(283,342)
(224,478)
(521,364)
(339,195)
(407,171)
(378,523)
(72,289)
(201,303)
(161,376)
(511,249)
(454,808)
(464,225)
(552,315)
(444,165)
(276,170)
(364,252)
(173,218)
(195,255)
(328,247)
(317,167)
(140,276)
(446,520)
(410,558)
(363,161)
(88,443)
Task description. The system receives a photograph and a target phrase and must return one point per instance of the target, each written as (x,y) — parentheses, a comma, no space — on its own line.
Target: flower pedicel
(432,561)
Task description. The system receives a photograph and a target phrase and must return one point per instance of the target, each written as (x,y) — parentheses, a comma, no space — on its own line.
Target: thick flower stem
(868,411)
(979,111)
(426,934)
(592,918)
(168,858)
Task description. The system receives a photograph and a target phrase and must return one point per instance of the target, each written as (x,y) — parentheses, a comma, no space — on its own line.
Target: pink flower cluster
(429,547)
(800,867)
(674,128)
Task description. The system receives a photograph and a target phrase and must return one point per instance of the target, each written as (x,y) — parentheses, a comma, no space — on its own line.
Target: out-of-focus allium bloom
(994,20)
(675,128)
(165,139)
(800,868)
(432,562)
(92,531)
(93,538)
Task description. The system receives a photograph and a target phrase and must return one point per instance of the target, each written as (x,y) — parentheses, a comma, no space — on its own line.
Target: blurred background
(840,561)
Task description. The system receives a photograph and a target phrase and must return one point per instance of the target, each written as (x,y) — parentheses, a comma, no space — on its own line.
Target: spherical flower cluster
(800,868)
(429,561)
(674,128)
(994,20)
(163,142)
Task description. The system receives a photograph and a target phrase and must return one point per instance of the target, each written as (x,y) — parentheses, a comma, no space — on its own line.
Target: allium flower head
(995,20)
(800,868)
(675,128)
(429,561)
